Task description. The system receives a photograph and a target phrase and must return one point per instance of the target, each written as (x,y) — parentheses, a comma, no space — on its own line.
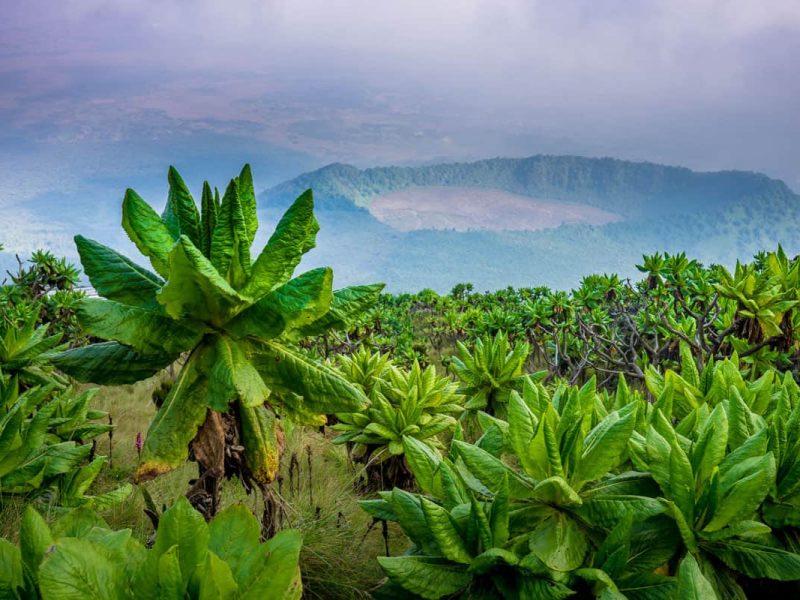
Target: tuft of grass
(316,488)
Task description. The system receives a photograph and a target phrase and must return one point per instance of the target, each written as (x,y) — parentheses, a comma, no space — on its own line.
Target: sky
(99,95)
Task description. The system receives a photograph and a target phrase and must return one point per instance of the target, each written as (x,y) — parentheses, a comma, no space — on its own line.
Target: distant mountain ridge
(632,189)
(715,217)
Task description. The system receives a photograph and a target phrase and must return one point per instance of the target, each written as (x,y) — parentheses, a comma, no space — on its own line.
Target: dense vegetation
(624,439)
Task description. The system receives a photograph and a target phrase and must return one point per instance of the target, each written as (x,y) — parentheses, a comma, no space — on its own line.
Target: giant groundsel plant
(226,317)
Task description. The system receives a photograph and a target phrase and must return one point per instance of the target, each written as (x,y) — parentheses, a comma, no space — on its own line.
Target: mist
(98,96)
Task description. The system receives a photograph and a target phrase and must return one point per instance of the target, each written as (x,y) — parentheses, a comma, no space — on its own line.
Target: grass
(316,487)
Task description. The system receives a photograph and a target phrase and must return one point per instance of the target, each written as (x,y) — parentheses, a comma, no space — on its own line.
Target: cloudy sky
(107,93)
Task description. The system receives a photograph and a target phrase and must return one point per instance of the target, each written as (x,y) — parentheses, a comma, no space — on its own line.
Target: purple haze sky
(113,91)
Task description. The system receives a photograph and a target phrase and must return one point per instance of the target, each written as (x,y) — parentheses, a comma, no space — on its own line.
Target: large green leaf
(522,426)
(648,586)
(234,535)
(180,214)
(110,363)
(445,532)
(230,242)
(209,219)
(408,509)
(758,561)
(247,198)
(742,490)
(79,570)
(424,462)
(291,306)
(11,574)
(146,229)
(559,542)
(171,583)
(143,330)
(183,527)
(430,578)
(347,305)
(195,289)
(286,370)
(35,539)
(177,421)
(215,580)
(233,376)
(712,442)
(272,572)
(490,470)
(262,442)
(605,446)
(116,277)
(691,583)
(294,235)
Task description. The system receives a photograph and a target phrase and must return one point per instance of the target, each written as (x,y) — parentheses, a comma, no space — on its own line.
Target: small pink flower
(139,442)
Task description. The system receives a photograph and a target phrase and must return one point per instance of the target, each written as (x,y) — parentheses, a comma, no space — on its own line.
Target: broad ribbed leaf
(291,306)
(555,491)
(286,370)
(234,535)
(208,219)
(681,482)
(176,422)
(347,305)
(180,214)
(486,561)
(559,542)
(742,490)
(272,573)
(294,236)
(648,586)
(146,229)
(408,509)
(110,363)
(143,330)
(233,376)
(430,578)
(445,533)
(171,584)
(116,277)
(262,442)
(215,580)
(691,583)
(712,442)
(195,289)
(35,539)
(247,198)
(613,553)
(78,570)
(230,243)
(605,446)
(490,470)
(184,527)
(757,560)
(423,461)
(11,574)
(543,453)
(522,425)
(499,515)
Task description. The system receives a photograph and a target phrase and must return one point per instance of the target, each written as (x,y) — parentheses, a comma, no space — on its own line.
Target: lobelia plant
(415,404)
(490,372)
(230,320)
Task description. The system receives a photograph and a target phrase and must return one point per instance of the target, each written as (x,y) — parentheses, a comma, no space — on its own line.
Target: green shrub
(79,557)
